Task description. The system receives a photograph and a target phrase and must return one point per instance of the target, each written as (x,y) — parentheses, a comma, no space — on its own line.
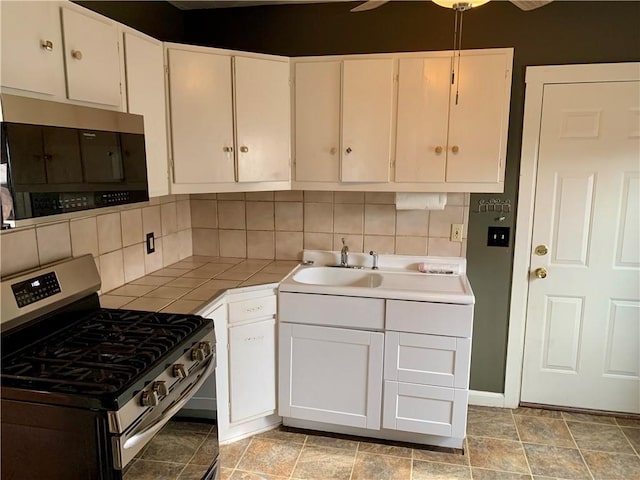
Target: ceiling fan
(522,4)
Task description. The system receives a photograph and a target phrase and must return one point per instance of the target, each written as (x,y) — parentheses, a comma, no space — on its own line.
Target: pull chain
(457,47)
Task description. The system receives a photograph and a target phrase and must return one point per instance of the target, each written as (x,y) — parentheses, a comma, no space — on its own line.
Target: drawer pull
(253,309)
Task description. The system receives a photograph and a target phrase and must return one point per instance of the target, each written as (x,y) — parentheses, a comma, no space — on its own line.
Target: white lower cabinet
(331,375)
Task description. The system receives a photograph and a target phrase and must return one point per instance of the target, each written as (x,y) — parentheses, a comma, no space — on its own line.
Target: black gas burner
(102,352)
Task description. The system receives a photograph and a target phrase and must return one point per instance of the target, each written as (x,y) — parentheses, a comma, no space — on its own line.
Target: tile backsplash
(279,225)
(115,237)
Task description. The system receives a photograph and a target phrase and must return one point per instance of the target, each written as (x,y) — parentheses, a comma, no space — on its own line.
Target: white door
(201,117)
(582,345)
(32,47)
(367,111)
(317,121)
(263,119)
(144,63)
(92,59)
(331,375)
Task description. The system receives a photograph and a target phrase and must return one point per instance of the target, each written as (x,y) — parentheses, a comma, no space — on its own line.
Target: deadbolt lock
(542,250)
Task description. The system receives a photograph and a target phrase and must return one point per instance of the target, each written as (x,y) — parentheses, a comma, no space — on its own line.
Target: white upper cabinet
(367,111)
(262,119)
(317,121)
(32,47)
(61,51)
(453,132)
(230,121)
(92,58)
(201,117)
(144,64)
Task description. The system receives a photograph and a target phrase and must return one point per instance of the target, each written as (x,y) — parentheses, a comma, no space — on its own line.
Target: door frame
(536,78)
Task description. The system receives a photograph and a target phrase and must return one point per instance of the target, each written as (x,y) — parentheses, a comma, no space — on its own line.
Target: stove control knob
(197,353)
(179,371)
(160,387)
(149,398)
(206,348)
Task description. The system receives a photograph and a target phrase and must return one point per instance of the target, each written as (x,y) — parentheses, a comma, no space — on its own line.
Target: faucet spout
(344,254)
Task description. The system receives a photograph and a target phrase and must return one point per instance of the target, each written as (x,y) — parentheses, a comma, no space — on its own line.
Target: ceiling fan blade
(530,4)
(370,5)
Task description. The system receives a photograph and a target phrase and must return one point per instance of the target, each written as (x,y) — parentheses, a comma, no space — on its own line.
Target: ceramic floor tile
(439,471)
(278,434)
(495,423)
(240,475)
(193,472)
(320,441)
(497,454)
(610,466)
(537,412)
(556,462)
(604,438)
(225,473)
(231,454)
(443,455)
(633,435)
(146,470)
(628,422)
(544,430)
(385,449)
(206,452)
(370,466)
(321,463)
(273,457)
(588,418)
(174,445)
(482,474)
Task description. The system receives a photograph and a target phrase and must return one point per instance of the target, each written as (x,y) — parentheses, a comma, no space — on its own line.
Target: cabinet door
(32,47)
(252,370)
(478,120)
(201,117)
(262,106)
(330,375)
(92,58)
(427,359)
(425,409)
(317,122)
(367,110)
(423,114)
(144,63)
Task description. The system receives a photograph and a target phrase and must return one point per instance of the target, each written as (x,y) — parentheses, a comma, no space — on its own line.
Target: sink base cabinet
(331,375)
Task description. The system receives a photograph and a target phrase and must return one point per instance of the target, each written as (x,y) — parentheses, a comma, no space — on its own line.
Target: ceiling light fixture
(459,8)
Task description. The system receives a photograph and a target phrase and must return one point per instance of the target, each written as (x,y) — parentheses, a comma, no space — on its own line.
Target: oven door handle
(152,429)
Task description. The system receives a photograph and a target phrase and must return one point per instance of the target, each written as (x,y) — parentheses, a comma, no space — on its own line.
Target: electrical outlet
(151,243)
(456,232)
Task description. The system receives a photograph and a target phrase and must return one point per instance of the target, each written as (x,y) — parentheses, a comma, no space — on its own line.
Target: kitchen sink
(332,276)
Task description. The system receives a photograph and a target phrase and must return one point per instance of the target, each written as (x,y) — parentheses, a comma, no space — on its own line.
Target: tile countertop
(190,284)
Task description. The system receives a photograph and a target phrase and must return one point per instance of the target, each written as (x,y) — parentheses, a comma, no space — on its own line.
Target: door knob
(540,272)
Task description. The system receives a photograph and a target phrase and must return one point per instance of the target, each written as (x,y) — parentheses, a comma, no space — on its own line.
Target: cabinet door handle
(46,45)
(77,54)
(348,150)
(227,149)
(438,149)
(455,149)
(244,149)
(333,150)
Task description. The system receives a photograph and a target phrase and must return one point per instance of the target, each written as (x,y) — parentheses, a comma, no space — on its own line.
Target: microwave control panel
(35,289)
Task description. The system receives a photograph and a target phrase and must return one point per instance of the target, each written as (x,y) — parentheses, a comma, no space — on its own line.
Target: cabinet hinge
(397,78)
(166,69)
(453,76)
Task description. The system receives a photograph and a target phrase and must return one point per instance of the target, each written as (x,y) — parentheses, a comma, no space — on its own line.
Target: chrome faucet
(344,254)
(375,260)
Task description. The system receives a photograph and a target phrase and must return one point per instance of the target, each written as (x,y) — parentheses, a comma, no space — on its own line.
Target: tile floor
(502,444)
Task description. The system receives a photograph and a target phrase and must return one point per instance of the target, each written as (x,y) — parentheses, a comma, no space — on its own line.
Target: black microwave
(60,158)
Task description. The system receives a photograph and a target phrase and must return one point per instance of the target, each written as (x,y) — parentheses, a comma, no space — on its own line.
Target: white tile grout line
(524,452)
(579,450)
(299,455)
(355,459)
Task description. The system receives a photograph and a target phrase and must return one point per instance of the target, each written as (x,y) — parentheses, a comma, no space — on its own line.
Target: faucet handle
(343,242)
(375,260)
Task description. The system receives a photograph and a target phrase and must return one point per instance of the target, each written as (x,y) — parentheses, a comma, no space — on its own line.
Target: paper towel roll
(421,201)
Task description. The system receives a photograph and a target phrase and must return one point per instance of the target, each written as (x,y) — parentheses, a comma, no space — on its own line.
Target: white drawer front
(425,409)
(252,308)
(427,359)
(433,318)
(331,310)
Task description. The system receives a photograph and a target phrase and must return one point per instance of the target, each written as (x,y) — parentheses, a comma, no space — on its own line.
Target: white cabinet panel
(331,375)
(425,409)
(317,121)
(427,359)
(423,119)
(144,63)
(367,111)
(252,370)
(244,310)
(31,47)
(432,318)
(92,58)
(201,117)
(262,102)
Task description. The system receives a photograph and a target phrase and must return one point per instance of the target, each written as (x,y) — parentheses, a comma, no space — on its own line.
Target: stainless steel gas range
(84,388)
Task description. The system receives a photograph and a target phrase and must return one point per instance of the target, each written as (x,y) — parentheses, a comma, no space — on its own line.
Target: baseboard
(486,399)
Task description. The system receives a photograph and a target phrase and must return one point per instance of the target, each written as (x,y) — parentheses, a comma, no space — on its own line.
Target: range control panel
(35,289)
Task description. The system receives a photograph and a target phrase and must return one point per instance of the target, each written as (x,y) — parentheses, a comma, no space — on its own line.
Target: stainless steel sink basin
(332,276)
